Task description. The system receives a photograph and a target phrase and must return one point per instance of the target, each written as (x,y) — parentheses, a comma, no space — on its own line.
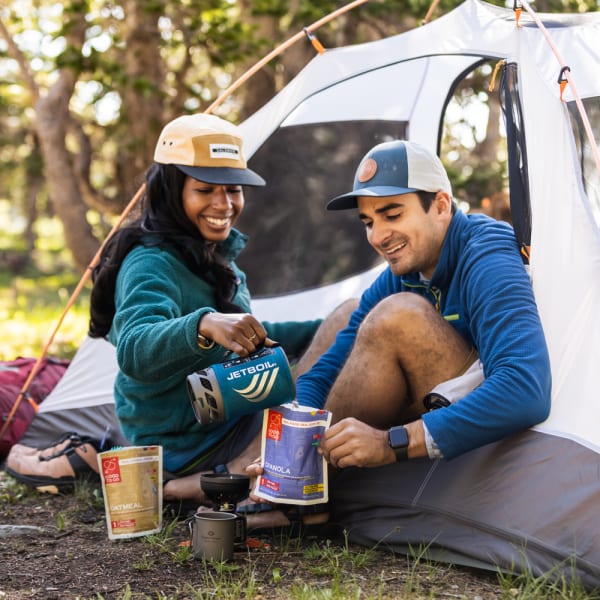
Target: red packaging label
(267,483)
(274,425)
(111,470)
(121,524)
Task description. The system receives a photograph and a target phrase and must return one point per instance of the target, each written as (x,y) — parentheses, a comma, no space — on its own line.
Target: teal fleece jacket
(158,304)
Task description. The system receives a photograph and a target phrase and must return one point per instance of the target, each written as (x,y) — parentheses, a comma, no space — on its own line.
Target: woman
(168,294)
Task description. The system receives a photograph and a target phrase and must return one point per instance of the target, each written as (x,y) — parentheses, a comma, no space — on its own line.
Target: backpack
(13,375)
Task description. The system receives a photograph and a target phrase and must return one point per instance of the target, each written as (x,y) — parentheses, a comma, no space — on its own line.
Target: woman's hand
(241,333)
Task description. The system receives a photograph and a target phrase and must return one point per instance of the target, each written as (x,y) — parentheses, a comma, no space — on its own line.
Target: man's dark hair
(162,223)
(427,198)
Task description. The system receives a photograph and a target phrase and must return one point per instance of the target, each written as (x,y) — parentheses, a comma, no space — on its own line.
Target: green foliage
(30,307)
(13,492)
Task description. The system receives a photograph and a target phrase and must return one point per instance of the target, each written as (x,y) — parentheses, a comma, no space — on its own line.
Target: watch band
(401,453)
(398,441)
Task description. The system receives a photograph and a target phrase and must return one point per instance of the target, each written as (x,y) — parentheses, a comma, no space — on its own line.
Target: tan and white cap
(206,148)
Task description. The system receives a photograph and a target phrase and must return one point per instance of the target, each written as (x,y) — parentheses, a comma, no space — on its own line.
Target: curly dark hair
(162,223)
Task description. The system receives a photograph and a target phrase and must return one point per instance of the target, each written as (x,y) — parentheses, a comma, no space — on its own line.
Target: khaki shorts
(453,390)
(458,387)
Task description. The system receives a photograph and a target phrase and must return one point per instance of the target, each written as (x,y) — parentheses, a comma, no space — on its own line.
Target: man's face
(409,238)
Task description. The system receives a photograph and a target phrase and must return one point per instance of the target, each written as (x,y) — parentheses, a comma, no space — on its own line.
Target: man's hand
(352,443)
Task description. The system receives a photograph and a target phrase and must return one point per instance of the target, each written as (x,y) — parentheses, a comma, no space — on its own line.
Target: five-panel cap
(394,168)
(207,148)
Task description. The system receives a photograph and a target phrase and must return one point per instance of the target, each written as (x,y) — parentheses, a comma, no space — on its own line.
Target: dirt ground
(57,547)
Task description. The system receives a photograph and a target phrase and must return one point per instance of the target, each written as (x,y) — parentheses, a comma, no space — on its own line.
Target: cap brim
(223,175)
(345,201)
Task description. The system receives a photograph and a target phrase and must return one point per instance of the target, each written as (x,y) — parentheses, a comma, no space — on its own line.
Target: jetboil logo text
(263,379)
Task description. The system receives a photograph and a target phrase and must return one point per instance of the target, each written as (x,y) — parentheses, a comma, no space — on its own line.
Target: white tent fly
(527,502)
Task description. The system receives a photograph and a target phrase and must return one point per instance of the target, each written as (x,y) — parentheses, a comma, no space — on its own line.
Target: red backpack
(13,375)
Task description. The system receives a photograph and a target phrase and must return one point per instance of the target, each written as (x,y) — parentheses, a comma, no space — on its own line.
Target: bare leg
(188,487)
(325,336)
(403,349)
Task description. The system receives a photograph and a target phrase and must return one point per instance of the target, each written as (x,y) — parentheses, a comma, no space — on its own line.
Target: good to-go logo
(111,469)
(260,386)
(274,425)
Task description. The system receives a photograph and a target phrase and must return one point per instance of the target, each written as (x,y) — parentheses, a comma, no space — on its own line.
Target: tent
(529,501)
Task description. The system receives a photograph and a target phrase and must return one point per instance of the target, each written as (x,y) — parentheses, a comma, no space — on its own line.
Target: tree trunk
(261,86)
(52,118)
(140,109)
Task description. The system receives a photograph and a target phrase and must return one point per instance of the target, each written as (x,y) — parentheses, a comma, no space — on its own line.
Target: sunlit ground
(32,302)
(29,315)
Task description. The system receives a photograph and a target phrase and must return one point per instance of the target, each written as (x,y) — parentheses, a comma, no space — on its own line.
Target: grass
(33,296)
(31,305)
(30,308)
(319,569)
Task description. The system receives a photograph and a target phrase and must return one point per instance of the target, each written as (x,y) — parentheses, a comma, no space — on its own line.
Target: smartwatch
(398,440)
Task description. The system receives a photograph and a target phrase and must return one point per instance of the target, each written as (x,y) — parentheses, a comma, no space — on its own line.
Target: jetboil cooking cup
(241,386)
(212,535)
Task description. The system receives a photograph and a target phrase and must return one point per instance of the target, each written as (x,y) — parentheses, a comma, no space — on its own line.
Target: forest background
(87,85)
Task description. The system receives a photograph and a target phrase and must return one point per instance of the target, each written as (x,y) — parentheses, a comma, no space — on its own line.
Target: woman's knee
(343,311)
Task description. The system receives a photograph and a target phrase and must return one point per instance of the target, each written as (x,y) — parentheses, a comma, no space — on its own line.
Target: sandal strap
(79,465)
(75,441)
(296,512)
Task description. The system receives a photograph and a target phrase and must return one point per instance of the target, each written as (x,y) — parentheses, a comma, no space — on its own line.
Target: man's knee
(402,310)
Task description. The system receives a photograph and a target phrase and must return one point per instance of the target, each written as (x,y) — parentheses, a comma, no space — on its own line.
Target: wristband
(202,341)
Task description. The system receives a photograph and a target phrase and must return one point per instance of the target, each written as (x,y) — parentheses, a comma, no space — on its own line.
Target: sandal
(56,468)
(178,507)
(302,520)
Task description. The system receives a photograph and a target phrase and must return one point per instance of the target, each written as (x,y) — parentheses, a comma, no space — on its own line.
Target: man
(445,351)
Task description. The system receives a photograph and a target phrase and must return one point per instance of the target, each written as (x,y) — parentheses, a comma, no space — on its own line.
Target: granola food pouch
(293,470)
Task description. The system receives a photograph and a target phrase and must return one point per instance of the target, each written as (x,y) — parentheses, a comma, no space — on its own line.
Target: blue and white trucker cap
(394,168)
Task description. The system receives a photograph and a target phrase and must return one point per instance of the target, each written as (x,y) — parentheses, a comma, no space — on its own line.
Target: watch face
(398,437)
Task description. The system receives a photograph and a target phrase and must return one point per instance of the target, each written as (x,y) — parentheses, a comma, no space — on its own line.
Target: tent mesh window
(291,232)
(589,171)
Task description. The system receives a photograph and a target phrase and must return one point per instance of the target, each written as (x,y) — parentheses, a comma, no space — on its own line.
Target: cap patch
(225,151)
(367,170)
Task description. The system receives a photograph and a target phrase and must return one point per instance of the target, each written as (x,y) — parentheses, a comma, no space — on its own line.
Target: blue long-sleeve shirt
(482,289)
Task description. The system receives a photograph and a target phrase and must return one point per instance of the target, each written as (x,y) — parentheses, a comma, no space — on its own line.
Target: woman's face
(212,208)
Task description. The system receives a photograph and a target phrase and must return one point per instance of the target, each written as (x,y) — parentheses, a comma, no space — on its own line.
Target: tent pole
(281,48)
(430,12)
